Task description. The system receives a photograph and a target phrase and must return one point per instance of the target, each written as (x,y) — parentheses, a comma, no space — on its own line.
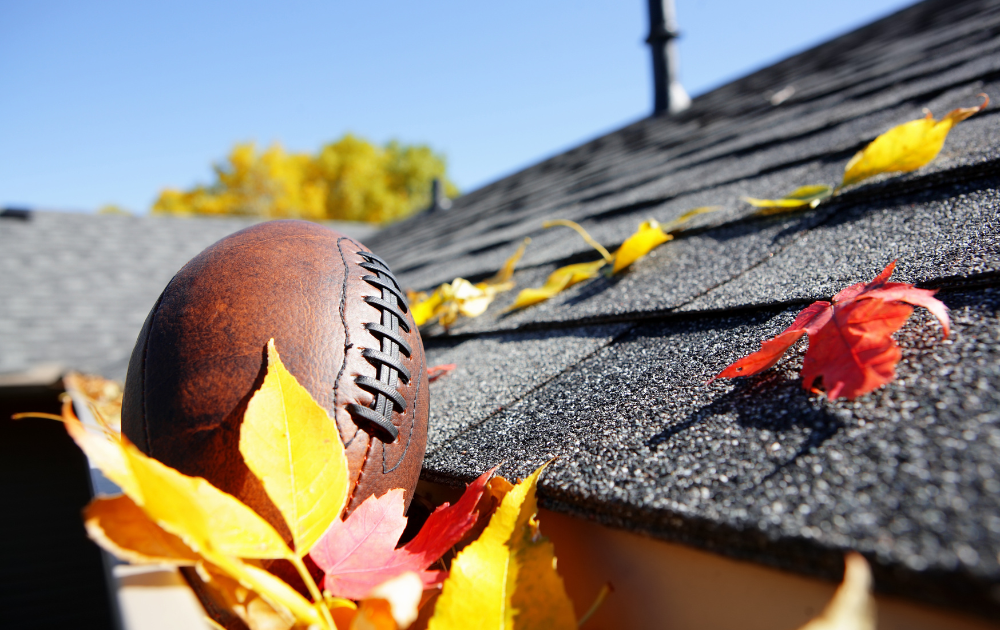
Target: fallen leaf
(810,196)
(558,281)
(103,397)
(121,527)
(906,147)
(506,578)
(437,371)
(460,297)
(249,606)
(850,340)
(852,606)
(649,236)
(360,553)
(293,446)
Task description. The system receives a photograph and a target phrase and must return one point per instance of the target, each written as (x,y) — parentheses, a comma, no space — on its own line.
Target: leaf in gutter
(506,578)
(803,196)
(558,281)
(360,553)
(850,341)
(121,527)
(293,446)
(906,147)
(852,606)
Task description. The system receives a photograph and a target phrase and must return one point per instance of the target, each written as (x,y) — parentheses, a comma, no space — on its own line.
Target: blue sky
(109,102)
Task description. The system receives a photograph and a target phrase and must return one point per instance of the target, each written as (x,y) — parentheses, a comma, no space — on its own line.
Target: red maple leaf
(360,553)
(850,340)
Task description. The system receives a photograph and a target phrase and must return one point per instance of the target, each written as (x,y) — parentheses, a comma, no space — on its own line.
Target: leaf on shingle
(651,235)
(506,578)
(906,147)
(558,281)
(850,340)
(803,196)
(293,446)
(460,297)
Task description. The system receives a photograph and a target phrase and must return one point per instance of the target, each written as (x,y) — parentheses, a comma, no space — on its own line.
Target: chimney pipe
(669,95)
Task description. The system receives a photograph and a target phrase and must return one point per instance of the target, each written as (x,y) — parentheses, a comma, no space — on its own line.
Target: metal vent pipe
(668,93)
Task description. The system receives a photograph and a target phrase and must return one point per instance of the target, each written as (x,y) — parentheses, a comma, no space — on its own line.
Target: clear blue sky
(108,102)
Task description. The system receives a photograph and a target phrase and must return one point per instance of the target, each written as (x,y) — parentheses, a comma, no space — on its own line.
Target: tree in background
(347,180)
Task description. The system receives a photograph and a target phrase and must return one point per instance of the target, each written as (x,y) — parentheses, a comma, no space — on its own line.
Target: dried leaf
(461,297)
(293,446)
(558,281)
(506,272)
(906,147)
(850,341)
(852,606)
(121,527)
(506,578)
(800,197)
(360,553)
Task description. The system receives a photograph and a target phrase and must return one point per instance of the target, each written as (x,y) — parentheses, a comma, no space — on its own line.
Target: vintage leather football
(342,327)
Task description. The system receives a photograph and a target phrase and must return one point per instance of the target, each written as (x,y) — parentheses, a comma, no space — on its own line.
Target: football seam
(387,361)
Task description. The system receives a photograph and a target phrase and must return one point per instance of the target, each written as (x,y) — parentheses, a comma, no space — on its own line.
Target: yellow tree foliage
(347,180)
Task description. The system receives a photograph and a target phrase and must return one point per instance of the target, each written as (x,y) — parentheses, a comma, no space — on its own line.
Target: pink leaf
(360,553)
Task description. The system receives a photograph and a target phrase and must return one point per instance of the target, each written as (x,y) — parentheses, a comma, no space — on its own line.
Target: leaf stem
(318,598)
(582,232)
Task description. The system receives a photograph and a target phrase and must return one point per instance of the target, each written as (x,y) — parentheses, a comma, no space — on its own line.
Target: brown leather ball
(342,328)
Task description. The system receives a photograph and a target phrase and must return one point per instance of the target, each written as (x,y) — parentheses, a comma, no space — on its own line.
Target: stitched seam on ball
(413,421)
(347,340)
(361,472)
(145,357)
(389,370)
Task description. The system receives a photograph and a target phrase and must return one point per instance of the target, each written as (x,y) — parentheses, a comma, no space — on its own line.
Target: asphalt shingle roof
(609,377)
(75,288)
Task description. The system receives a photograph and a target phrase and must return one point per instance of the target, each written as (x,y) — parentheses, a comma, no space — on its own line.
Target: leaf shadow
(770,404)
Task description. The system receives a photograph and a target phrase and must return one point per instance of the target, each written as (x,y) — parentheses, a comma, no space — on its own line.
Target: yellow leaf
(540,597)
(852,606)
(804,196)
(558,281)
(212,523)
(121,527)
(104,452)
(687,216)
(649,236)
(906,147)
(423,310)
(261,600)
(207,519)
(483,589)
(583,233)
(292,445)
(507,271)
